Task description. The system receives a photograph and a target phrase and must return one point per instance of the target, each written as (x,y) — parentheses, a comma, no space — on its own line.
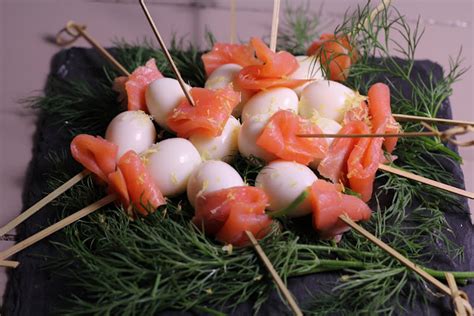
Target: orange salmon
(381,113)
(228,213)
(221,54)
(335,53)
(272,73)
(279,138)
(95,154)
(145,196)
(334,165)
(135,85)
(328,203)
(209,115)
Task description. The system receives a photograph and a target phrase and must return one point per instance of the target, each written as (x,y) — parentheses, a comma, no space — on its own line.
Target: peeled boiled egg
(224,76)
(131,130)
(162,96)
(283,181)
(171,162)
(248,135)
(327,126)
(309,68)
(222,147)
(329,99)
(212,175)
(269,102)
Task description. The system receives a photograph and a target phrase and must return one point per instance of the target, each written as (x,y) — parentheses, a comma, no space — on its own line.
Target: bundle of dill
(107,264)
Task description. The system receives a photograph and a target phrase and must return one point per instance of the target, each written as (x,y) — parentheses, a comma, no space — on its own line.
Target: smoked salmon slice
(95,154)
(336,54)
(367,155)
(145,196)
(118,186)
(273,72)
(222,53)
(334,165)
(363,163)
(328,203)
(228,213)
(279,137)
(209,115)
(135,85)
(381,113)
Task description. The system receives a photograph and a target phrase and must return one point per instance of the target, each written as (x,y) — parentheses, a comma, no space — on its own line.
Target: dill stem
(338,250)
(333,265)
(458,275)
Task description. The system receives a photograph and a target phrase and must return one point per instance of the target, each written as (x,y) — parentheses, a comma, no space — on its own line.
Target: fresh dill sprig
(298,29)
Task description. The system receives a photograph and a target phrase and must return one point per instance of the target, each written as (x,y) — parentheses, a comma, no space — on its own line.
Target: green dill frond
(78,106)
(299,28)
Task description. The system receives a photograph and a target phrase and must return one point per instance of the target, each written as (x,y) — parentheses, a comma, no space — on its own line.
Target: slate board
(34,290)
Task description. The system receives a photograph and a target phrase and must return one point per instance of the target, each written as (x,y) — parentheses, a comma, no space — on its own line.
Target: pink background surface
(25,55)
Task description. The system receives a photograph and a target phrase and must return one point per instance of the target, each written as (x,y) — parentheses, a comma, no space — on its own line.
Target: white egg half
(283,181)
(131,130)
(248,135)
(171,162)
(162,96)
(327,126)
(223,147)
(269,102)
(325,98)
(212,175)
(224,76)
(309,68)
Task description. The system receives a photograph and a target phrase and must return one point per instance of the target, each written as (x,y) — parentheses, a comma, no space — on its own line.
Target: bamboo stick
(57,226)
(414,134)
(458,297)
(76,30)
(233,21)
(444,135)
(279,282)
(9,264)
(413,118)
(427,181)
(41,203)
(395,254)
(275,21)
(166,52)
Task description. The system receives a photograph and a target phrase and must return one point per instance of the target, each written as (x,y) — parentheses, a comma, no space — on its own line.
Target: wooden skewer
(167,54)
(41,203)
(427,181)
(395,254)
(284,290)
(458,297)
(75,31)
(275,20)
(57,226)
(233,21)
(445,135)
(415,134)
(413,118)
(9,264)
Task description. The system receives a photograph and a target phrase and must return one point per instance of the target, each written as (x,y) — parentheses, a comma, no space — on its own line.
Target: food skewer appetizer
(319,182)
(160,110)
